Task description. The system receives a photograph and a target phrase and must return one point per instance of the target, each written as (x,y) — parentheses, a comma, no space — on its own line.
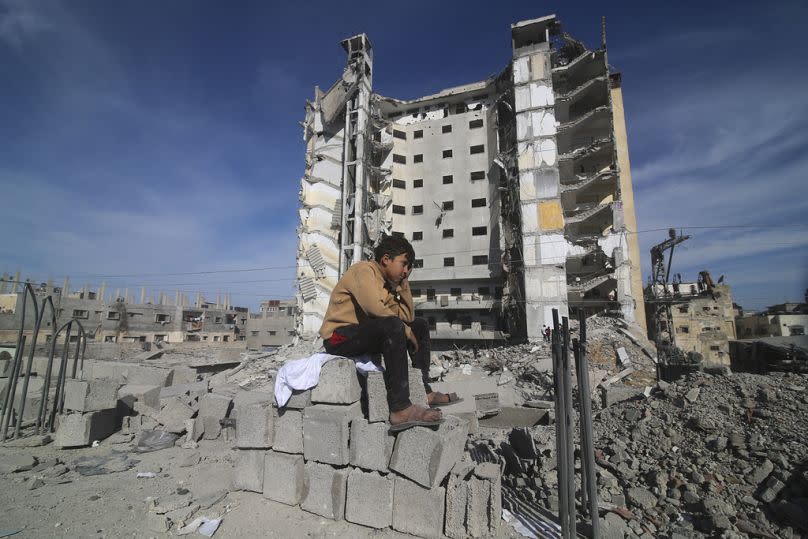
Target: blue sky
(153,138)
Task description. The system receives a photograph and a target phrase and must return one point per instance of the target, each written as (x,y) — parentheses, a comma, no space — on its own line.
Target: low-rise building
(273,325)
(783,320)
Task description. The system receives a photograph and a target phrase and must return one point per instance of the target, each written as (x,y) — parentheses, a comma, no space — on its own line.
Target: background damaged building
(515,191)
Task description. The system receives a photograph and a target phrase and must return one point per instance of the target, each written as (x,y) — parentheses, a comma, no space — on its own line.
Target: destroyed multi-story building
(515,191)
(119,318)
(782,320)
(273,325)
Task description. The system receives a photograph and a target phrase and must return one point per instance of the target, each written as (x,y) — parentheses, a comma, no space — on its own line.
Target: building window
(399,134)
(455,292)
(683,329)
(419,158)
(79,313)
(484,291)
(465,322)
(397,234)
(399,159)
(107,338)
(498,292)
(446,129)
(417,210)
(113,315)
(448,232)
(418,183)
(479,231)
(478,260)
(448,261)
(460,108)
(399,210)
(272,332)
(162,318)
(416,236)
(216,338)
(447,154)
(399,184)
(419,263)
(418,134)
(218,320)
(474,124)
(430,294)
(448,205)
(416,292)
(715,348)
(478,203)
(478,175)
(480,148)
(254,333)
(448,179)
(683,309)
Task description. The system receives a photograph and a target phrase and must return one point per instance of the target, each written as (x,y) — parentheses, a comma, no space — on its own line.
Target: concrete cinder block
(90,395)
(283,477)
(184,375)
(255,425)
(457,494)
(417,389)
(174,414)
(129,373)
(82,429)
(288,431)
(477,508)
(213,405)
(371,445)
(425,455)
(194,390)
(324,490)
(211,427)
(143,395)
(248,397)
(417,510)
(491,473)
(299,400)
(378,409)
(249,470)
(369,500)
(326,432)
(338,383)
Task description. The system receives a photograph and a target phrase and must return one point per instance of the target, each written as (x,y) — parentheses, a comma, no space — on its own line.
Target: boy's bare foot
(415,413)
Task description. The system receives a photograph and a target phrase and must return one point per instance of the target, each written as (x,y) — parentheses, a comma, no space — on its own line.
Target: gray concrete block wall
(417,389)
(371,445)
(418,510)
(90,395)
(288,431)
(249,470)
(425,455)
(81,429)
(369,500)
(255,425)
(378,409)
(338,383)
(325,490)
(457,494)
(326,432)
(283,477)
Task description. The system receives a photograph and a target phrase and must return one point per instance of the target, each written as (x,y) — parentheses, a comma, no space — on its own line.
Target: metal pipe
(587,434)
(569,425)
(561,442)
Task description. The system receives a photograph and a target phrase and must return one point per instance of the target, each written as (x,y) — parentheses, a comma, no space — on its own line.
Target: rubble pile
(708,456)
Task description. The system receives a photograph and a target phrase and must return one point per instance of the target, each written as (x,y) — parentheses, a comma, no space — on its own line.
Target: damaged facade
(515,191)
(119,318)
(272,326)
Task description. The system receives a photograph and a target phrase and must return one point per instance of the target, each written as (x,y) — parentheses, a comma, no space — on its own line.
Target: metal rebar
(58,397)
(43,403)
(587,438)
(576,352)
(561,443)
(11,388)
(569,426)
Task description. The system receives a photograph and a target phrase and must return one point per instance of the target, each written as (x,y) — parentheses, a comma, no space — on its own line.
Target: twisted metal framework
(44,421)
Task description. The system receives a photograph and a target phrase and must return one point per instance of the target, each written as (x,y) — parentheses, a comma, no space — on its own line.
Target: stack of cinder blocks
(90,408)
(323,453)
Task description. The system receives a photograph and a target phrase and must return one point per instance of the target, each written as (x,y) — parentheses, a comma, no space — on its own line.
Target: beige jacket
(361,294)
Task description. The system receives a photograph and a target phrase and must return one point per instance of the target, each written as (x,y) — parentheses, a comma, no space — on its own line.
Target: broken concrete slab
(128,373)
(514,416)
(81,429)
(338,383)
(194,390)
(16,463)
(90,395)
(145,395)
(369,499)
(174,414)
(425,455)
(214,405)
(325,490)
(326,432)
(487,404)
(283,477)
(417,510)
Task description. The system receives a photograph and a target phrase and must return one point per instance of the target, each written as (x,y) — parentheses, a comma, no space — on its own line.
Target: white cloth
(302,374)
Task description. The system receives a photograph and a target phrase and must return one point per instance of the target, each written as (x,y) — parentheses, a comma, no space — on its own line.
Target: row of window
(449,261)
(447,233)
(447,154)
(446,206)
(449,178)
(457,292)
(473,124)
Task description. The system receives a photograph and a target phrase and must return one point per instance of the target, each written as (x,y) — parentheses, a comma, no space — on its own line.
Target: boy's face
(395,269)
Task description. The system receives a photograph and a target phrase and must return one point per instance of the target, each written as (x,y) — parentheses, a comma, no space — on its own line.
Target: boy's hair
(393,246)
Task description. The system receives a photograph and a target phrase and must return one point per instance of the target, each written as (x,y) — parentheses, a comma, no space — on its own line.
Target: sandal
(453,399)
(416,420)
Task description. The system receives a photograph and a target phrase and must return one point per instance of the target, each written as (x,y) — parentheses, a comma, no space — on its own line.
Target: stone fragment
(771,488)
(255,425)
(338,383)
(761,472)
(490,472)
(283,477)
(641,497)
(325,490)
(90,395)
(214,405)
(174,414)
(249,470)
(369,499)
(487,404)
(417,510)
(371,445)
(157,523)
(692,395)
(288,431)
(425,455)
(211,426)
(82,429)
(326,432)
(178,517)
(10,463)
(378,409)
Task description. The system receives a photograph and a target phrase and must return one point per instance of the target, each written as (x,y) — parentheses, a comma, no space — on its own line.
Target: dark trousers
(386,336)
